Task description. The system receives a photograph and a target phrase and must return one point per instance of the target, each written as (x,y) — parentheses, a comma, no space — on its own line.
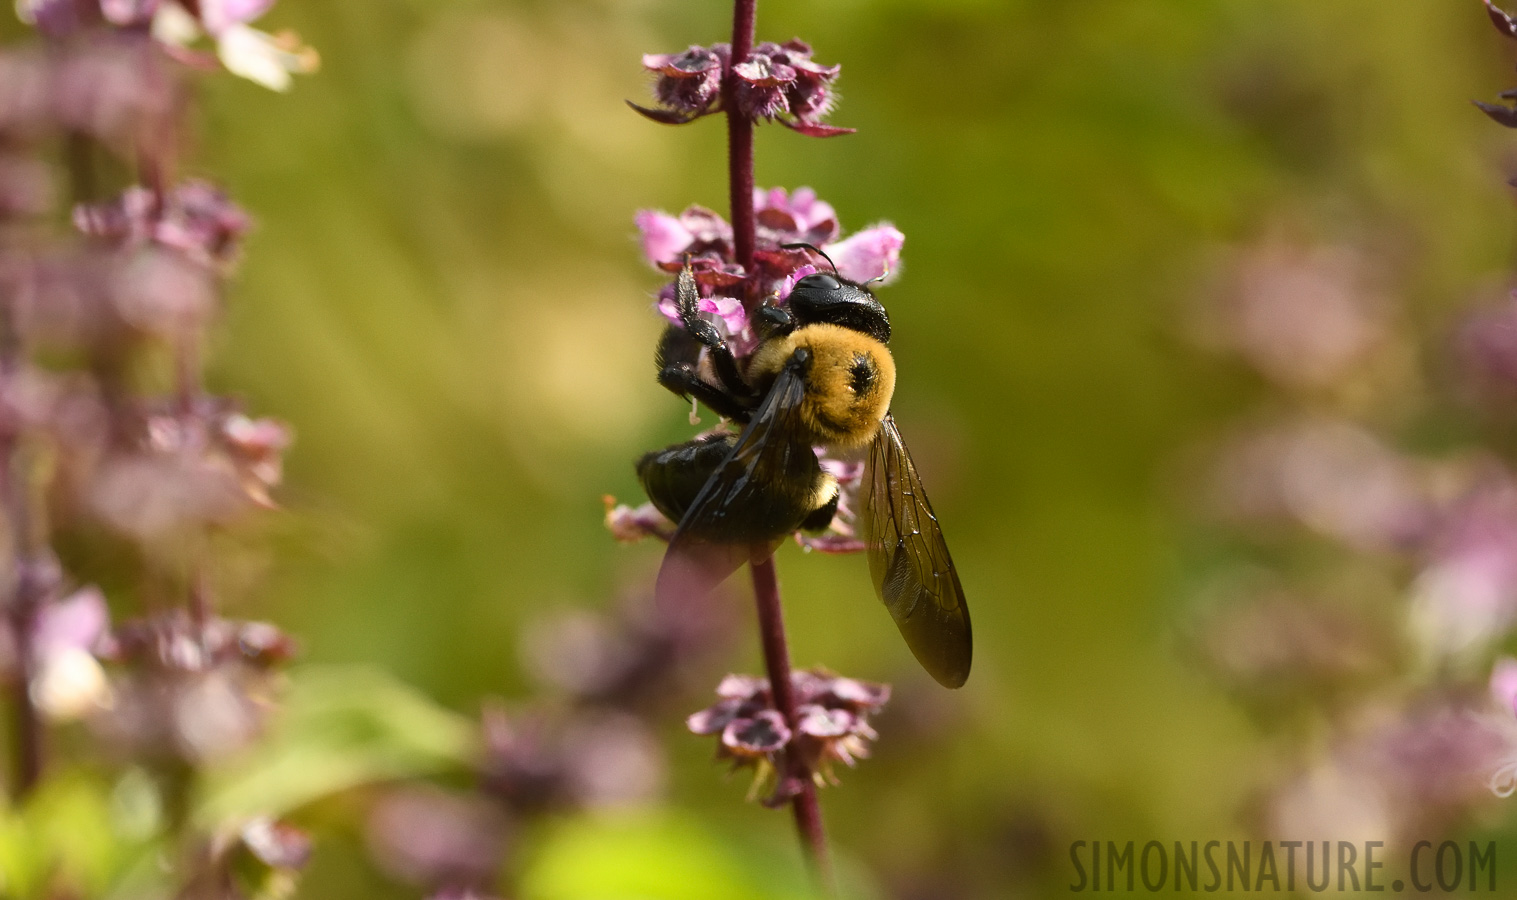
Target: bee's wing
(742,512)
(912,570)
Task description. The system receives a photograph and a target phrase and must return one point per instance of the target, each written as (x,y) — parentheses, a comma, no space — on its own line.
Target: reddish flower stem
(766,585)
(740,143)
(766,588)
(808,812)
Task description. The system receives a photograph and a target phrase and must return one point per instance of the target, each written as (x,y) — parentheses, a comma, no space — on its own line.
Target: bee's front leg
(683,380)
(687,302)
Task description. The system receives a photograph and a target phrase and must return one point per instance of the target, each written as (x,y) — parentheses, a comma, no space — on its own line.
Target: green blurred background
(445,298)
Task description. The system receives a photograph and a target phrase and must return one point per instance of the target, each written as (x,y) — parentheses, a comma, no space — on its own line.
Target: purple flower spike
(870,254)
(777,82)
(690,82)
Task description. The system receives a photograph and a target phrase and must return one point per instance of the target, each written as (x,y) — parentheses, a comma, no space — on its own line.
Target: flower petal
(788,285)
(729,310)
(263,58)
(69,684)
(173,25)
(1504,683)
(220,15)
(816,129)
(128,13)
(744,687)
(76,622)
(872,253)
(666,116)
(865,695)
(821,722)
(766,732)
(664,236)
(714,718)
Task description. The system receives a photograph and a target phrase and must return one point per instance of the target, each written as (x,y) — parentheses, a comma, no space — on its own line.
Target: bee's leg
(686,301)
(774,320)
(683,380)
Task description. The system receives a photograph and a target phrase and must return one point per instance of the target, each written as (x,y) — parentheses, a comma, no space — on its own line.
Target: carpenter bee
(821,376)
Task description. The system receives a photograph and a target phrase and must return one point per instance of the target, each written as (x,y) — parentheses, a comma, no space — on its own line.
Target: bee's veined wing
(909,561)
(749,503)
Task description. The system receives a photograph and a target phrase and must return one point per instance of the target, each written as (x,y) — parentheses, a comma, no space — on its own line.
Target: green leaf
(660,856)
(340,727)
(65,839)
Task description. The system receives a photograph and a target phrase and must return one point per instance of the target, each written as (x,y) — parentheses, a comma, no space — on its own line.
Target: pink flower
(869,254)
(69,681)
(1465,598)
(128,13)
(728,310)
(797,217)
(629,525)
(75,622)
(783,217)
(782,291)
(832,723)
(696,231)
(195,218)
(219,15)
(264,58)
(1504,682)
(664,238)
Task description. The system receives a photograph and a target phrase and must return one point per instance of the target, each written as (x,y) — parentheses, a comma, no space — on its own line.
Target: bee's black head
(827,298)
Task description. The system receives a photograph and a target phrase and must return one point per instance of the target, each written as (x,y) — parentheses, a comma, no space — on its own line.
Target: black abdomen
(755,505)
(674,475)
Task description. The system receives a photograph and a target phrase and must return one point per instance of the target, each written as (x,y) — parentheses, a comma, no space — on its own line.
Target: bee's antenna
(814,249)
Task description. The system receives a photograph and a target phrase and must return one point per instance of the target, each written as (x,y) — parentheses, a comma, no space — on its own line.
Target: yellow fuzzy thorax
(848,387)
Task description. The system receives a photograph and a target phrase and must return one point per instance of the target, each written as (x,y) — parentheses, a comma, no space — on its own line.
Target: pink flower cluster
(777,82)
(832,724)
(727,291)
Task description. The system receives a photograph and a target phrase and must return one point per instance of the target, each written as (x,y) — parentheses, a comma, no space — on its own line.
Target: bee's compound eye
(820,281)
